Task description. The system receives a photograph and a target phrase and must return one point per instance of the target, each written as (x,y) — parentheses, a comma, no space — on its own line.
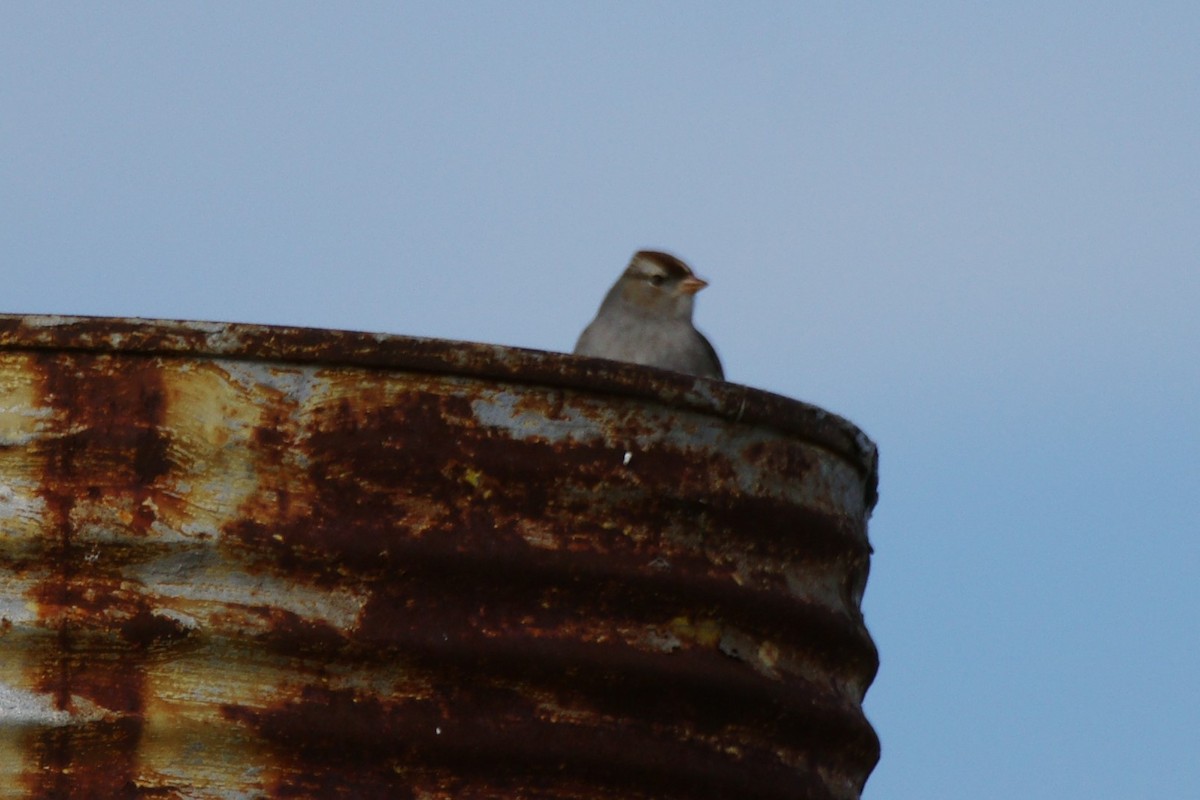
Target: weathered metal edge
(235,340)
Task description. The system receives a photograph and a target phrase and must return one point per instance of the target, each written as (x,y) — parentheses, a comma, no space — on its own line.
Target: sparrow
(646,318)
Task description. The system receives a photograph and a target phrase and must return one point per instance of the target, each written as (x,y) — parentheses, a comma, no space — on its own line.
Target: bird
(646,318)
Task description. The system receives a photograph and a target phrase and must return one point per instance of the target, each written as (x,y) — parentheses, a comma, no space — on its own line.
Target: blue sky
(970,228)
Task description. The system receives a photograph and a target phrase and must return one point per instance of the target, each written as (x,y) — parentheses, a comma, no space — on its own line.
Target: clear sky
(973,229)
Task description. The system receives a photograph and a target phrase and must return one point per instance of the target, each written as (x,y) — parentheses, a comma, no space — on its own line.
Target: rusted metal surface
(241,561)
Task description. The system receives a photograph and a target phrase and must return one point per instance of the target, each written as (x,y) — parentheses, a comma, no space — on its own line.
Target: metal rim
(162,337)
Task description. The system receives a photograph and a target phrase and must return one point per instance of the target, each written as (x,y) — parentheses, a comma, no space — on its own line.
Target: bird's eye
(657,280)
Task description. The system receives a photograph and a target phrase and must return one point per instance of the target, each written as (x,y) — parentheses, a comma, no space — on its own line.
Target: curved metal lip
(251,342)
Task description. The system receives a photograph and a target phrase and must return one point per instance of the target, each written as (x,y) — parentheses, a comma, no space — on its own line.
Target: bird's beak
(692,284)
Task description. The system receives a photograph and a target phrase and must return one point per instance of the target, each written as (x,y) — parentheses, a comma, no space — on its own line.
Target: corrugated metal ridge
(390,351)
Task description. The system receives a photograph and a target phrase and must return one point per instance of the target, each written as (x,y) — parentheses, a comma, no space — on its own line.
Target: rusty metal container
(247,562)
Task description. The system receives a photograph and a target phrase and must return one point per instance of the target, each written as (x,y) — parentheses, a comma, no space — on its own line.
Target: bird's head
(659,283)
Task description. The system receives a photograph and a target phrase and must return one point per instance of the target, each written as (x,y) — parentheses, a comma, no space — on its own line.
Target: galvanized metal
(242,561)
